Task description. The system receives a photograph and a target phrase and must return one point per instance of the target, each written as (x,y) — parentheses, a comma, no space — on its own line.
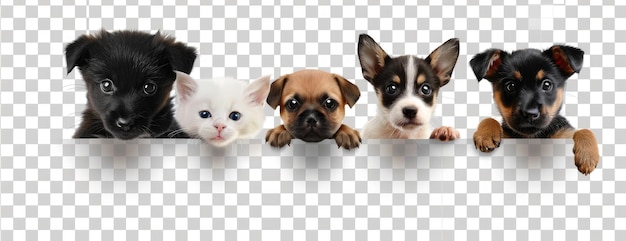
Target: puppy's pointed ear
(350,91)
(486,64)
(258,90)
(443,59)
(185,86)
(181,56)
(77,52)
(371,56)
(276,91)
(568,59)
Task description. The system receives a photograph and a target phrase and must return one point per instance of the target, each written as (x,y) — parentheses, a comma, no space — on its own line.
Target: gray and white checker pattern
(56,188)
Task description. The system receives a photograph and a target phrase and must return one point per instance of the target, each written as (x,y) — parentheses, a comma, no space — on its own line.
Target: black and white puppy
(129,77)
(407,88)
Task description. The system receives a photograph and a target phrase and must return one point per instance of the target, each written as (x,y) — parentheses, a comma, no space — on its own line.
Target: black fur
(133,62)
(528,100)
(381,75)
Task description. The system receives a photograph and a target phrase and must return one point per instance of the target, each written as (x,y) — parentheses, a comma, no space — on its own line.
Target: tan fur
(564,133)
(347,137)
(395,79)
(310,86)
(540,74)
(505,111)
(517,75)
(278,136)
(420,79)
(553,109)
(586,154)
(488,135)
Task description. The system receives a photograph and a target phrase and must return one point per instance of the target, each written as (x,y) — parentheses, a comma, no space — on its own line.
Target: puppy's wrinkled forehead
(309,86)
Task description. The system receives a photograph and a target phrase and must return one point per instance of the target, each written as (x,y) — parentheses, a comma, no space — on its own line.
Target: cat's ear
(185,86)
(258,90)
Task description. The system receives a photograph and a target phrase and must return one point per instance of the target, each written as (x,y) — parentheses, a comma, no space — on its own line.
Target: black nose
(311,121)
(531,114)
(124,124)
(409,112)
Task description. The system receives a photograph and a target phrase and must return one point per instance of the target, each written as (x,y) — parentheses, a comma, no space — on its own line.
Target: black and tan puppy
(528,88)
(129,77)
(312,108)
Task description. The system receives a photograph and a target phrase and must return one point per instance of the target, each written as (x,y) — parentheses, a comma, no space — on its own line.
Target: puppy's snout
(409,112)
(311,121)
(531,114)
(124,124)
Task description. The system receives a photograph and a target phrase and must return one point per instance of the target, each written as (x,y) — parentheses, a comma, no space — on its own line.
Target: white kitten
(220,110)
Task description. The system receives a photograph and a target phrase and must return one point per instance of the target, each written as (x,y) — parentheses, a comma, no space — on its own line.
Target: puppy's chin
(137,131)
(309,134)
(526,127)
(129,135)
(406,125)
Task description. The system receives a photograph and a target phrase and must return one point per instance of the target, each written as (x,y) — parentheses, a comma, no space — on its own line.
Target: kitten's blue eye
(235,115)
(204,114)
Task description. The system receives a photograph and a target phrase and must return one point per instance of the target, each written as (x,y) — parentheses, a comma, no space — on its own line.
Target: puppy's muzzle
(409,112)
(531,114)
(124,123)
(311,121)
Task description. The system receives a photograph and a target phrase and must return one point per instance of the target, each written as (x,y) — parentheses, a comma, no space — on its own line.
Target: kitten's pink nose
(220,127)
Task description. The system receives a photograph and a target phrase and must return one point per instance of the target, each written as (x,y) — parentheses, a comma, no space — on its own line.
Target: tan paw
(347,138)
(586,154)
(488,135)
(278,137)
(445,133)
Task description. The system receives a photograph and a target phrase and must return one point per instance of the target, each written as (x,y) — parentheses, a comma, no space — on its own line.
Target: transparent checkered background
(56,188)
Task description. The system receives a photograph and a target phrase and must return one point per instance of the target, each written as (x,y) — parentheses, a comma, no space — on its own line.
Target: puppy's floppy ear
(443,59)
(181,56)
(350,91)
(276,91)
(258,90)
(486,64)
(371,56)
(568,59)
(185,86)
(77,52)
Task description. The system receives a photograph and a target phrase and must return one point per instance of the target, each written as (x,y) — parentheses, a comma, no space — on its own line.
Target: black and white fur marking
(406,87)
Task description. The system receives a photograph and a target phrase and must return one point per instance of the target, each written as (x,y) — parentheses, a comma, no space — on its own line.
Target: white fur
(391,123)
(220,97)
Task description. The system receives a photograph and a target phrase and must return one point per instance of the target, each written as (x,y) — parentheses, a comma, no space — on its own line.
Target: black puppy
(129,77)
(528,88)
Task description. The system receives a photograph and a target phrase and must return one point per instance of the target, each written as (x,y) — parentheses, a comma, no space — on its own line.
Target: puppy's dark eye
(234,115)
(510,86)
(426,90)
(107,86)
(292,104)
(330,104)
(204,114)
(392,89)
(546,85)
(149,88)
